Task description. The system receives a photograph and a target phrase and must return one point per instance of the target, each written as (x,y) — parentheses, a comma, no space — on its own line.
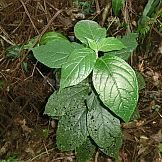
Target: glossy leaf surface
(52,55)
(51,36)
(87,29)
(110,44)
(130,42)
(116,83)
(78,66)
(104,128)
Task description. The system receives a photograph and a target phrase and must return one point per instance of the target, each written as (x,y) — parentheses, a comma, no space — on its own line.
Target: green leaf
(141,81)
(116,83)
(30,44)
(116,6)
(130,43)
(72,128)
(148,7)
(85,151)
(53,54)
(104,128)
(77,45)
(135,115)
(87,29)
(92,44)
(113,150)
(90,101)
(110,44)
(64,100)
(51,36)
(13,52)
(78,66)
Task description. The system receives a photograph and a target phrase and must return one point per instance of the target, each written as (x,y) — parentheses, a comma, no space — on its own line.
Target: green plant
(150,17)
(10,159)
(97,88)
(117,5)
(85,6)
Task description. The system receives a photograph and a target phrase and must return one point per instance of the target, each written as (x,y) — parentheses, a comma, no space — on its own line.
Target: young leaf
(92,44)
(116,83)
(64,100)
(72,129)
(85,151)
(13,52)
(116,6)
(54,54)
(78,66)
(51,36)
(104,128)
(110,44)
(87,29)
(130,43)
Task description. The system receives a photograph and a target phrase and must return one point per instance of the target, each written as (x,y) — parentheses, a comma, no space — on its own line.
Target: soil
(27,134)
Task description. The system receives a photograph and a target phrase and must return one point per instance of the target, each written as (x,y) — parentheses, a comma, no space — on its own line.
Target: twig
(40,155)
(98,10)
(45,78)
(8,41)
(26,11)
(106,11)
(96,156)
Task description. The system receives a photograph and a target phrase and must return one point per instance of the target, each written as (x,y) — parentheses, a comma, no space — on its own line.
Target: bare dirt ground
(28,135)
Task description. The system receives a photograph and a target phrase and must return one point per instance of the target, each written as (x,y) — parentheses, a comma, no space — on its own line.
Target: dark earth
(25,85)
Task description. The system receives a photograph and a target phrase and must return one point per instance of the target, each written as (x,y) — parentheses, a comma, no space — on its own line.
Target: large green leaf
(87,29)
(104,128)
(130,43)
(78,66)
(72,128)
(116,6)
(116,83)
(85,151)
(51,36)
(54,54)
(65,100)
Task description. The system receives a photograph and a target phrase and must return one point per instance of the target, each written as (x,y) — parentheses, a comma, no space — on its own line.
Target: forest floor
(28,135)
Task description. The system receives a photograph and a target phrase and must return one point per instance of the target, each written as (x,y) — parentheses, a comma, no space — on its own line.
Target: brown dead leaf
(157,137)
(22,123)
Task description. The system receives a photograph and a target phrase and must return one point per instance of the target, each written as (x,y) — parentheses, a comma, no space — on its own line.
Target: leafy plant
(117,5)
(85,6)
(97,89)
(149,16)
(10,159)
(13,52)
